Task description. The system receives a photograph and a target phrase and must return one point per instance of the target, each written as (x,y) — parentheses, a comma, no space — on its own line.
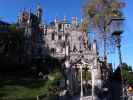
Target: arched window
(53,36)
(74,48)
(53,50)
(59,37)
(59,27)
(66,36)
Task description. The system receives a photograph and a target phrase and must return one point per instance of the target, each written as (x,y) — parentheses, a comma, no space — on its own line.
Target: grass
(18,89)
(28,89)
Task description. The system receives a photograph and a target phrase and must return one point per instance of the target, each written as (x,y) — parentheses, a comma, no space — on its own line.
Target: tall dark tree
(127,73)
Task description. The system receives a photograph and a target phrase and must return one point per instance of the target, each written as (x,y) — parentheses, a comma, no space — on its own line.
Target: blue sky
(127,40)
(51,8)
(9,9)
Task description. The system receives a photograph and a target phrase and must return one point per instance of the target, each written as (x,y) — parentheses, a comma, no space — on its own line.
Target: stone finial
(74,20)
(65,18)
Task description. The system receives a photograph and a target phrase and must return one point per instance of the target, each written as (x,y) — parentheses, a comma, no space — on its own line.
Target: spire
(38,3)
(39,6)
(29,16)
(39,12)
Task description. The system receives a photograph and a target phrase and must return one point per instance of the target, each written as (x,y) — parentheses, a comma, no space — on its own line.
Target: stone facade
(61,31)
(63,40)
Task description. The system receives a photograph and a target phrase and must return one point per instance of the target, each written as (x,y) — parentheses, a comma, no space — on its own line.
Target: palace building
(65,41)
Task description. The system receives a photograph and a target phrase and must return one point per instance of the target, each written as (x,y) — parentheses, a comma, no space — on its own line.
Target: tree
(97,14)
(12,42)
(127,73)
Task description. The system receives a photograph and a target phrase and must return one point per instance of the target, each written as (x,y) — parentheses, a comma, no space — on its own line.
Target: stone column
(68,68)
(96,74)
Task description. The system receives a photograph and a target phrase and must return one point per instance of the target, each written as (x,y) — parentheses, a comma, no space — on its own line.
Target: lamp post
(93,82)
(81,83)
(116,30)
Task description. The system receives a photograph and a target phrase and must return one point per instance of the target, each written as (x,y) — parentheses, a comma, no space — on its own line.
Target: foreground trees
(127,73)
(11,43)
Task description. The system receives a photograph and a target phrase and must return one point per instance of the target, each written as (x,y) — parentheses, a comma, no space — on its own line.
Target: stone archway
(87,77)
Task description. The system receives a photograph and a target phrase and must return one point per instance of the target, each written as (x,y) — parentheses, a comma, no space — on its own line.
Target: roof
(3,27)
(3,23)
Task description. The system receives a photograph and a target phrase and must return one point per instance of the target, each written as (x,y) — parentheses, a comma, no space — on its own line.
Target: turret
(56,24)
(39,13)
(94,46)
(74,21)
